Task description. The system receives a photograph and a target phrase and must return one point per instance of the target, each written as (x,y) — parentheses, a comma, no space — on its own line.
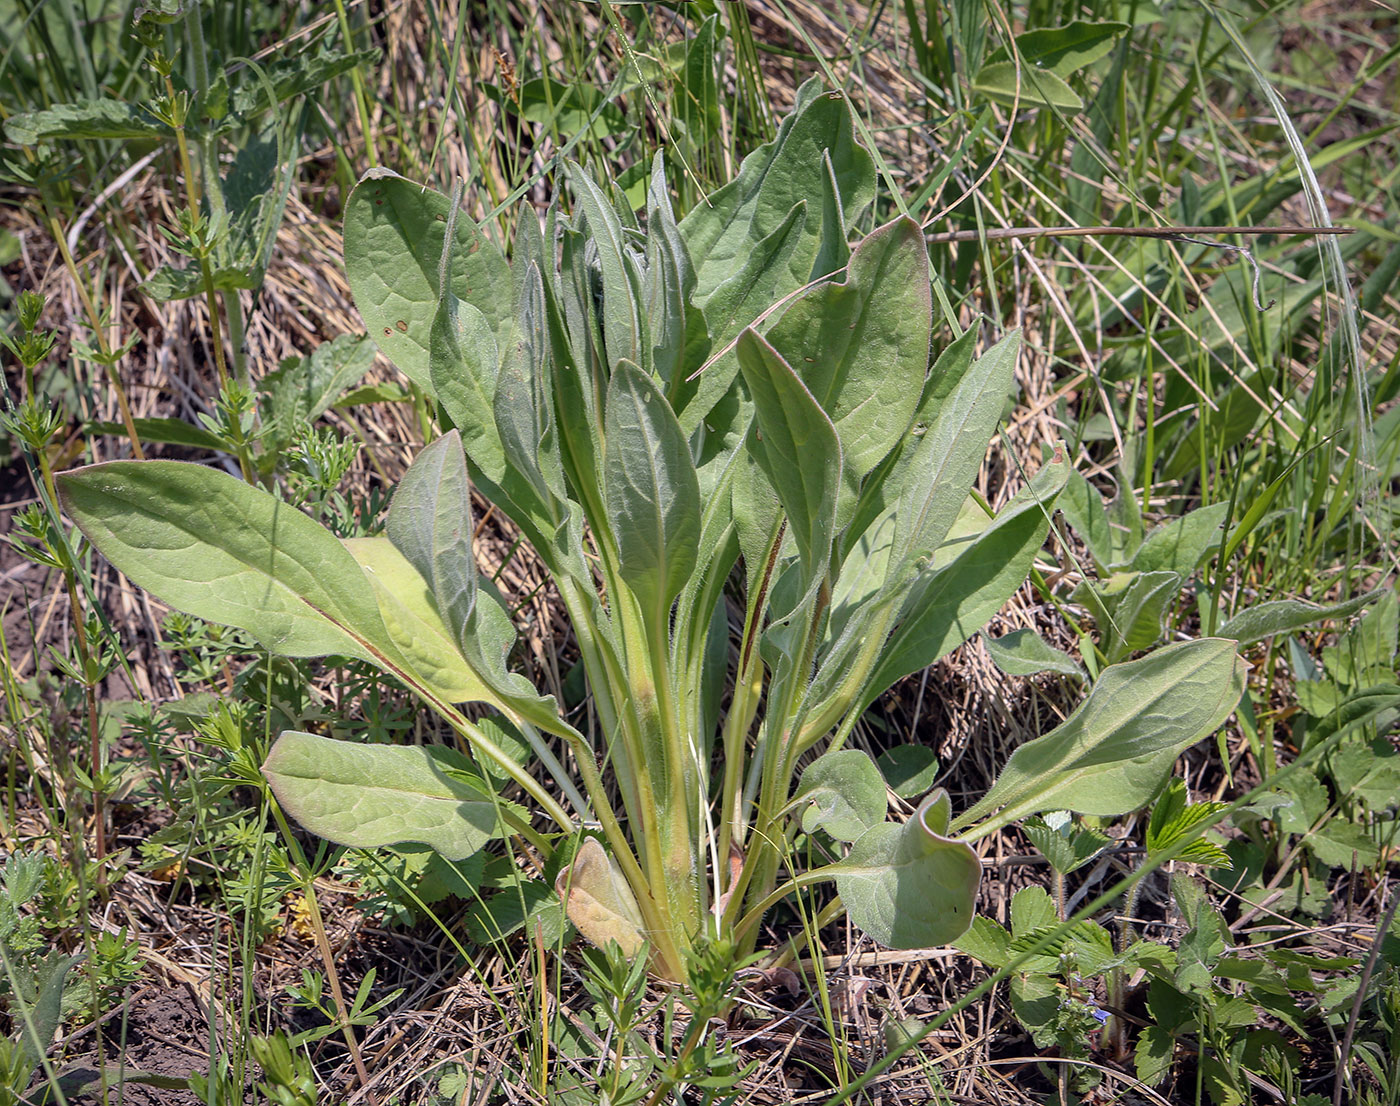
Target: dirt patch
(163,1032)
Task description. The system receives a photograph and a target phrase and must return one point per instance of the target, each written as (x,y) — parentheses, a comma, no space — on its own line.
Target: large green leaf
(428,648)
(861,346)
(1001,83)
(217,548)
(911,886)
(653,495)
(1285,615)
(370,795)
(1181,545)
(667,284)
(522,403)
(394,235)
(430,523)
(1066,49)
(797,448)
(953,600)
(930,481)
(463,363)
(1113,753)
(738,302)
(1026,653)
(467,376)
(723,227)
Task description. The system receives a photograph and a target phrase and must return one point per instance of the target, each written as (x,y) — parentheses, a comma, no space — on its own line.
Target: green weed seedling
(734,408)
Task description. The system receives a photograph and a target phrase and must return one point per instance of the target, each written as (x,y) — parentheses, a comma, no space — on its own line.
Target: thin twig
(1125,232)
(1170,234)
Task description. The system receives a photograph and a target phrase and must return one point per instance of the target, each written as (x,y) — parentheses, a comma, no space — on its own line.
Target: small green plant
(734,409)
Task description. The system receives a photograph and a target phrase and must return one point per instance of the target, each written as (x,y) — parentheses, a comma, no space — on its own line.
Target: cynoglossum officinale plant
(733,410)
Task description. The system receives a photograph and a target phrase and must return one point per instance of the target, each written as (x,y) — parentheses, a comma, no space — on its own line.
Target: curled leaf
(598,900)
(911,886)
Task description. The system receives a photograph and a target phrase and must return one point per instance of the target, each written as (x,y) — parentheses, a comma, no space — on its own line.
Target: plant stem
(84,647)
(104,347)
(323,946)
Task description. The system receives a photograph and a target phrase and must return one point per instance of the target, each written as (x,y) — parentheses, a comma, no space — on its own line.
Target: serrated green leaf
(1156,1048)
(1180,545)
(987,941)
(1066,846)
(1174,818)
(533,902)
(1032,909)
(1205,938)
(100,118)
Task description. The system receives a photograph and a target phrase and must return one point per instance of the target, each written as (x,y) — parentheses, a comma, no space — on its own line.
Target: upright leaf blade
(622,323)
(431,652)
(737,303)
(394,235)
(931,480)
(720,231)
(797,448)
(951,602)
(861,345)
(653,494)
(464,363)
(430,523)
